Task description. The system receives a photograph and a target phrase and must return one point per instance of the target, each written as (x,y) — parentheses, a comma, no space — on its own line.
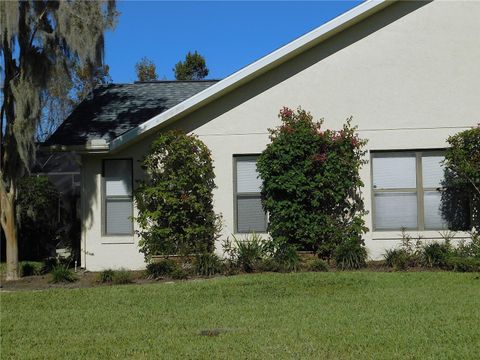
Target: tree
(146,70)
(311,184)
(461,199)
(38,40)
(65,92)
(193,68)
(175,202)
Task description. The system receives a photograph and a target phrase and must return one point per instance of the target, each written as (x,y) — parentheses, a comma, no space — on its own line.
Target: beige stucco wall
(409,76)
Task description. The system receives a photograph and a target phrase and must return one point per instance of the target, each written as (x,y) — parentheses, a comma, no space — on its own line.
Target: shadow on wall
(91,173)
(300,63)
(460,209)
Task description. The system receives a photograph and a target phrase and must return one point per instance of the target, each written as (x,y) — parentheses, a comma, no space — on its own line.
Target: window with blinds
(249,214)
(118,203)
(407,190)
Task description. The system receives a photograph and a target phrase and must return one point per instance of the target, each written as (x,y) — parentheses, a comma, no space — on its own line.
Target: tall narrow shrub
(175,200)
(311,183)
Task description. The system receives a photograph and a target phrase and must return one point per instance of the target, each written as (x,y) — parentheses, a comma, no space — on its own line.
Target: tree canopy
(193,68)
(146,70)
(65,92)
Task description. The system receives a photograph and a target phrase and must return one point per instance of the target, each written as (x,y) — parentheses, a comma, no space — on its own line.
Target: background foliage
(311,183)
(175,202)
(146,70)
(193,67)
(37,213)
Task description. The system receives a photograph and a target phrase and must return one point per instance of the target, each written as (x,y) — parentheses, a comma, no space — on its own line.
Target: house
(407,72)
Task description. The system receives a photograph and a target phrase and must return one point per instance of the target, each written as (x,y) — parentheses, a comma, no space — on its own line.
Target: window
(249,214)
(407,190)
(118,205)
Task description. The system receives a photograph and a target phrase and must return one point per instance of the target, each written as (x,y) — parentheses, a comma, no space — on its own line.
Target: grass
(336,315)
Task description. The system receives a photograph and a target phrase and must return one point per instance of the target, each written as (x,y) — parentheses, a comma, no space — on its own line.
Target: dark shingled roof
(111,110)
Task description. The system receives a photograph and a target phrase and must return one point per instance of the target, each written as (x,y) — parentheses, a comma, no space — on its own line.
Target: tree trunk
(10,166)
(7,216)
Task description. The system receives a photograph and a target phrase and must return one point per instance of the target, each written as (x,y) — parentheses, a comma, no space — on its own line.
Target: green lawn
(339,315)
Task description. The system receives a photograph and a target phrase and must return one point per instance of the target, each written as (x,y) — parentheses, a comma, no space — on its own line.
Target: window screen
(118,207)
(407,190)
(432,178)
(248,206)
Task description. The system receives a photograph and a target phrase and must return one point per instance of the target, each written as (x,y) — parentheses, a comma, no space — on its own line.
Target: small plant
(121,277)
(435,254)
(208,264)
(62,274)
(350,254)
(164,267)
(247,254)
(106,276)
(318,265)
(413,247)
(398,259)
(28,269)
(469,249)
(48,265)
(179,274)
(286,257)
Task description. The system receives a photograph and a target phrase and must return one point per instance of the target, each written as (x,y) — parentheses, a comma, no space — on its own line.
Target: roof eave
(81,149)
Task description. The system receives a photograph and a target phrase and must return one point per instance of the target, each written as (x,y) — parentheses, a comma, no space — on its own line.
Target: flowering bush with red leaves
(311,183)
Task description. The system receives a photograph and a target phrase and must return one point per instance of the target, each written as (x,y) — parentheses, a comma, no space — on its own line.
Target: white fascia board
(253,70)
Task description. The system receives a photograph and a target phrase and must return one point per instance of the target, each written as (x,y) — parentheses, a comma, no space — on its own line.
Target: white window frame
(419,190)
(237,195)
(105,198)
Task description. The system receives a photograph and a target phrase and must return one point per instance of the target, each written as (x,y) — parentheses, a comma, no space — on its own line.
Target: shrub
(28,269)
(208,264)
(311,183)
(37,208)
(121,277)
(409,253)
(398,259)
(464,264)
(469,249)
(62,274)
(106,276)
(435,254)
(175,202)
(164,267)
(269,264)
(318,265)
(350,254)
